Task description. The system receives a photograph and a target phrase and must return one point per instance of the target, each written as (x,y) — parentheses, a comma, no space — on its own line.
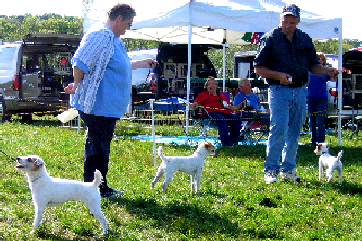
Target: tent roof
(168,21)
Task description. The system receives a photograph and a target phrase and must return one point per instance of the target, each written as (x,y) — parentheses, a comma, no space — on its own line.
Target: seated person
(253,102)
(219,108)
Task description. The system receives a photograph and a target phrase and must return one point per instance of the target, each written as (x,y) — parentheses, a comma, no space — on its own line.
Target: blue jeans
(318,106)
(287,115)
(97,145)
(223,120)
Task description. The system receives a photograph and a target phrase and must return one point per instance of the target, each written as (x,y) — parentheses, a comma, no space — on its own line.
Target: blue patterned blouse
(105,88)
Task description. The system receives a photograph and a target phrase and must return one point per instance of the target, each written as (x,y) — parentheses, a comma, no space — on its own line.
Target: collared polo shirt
(277,53)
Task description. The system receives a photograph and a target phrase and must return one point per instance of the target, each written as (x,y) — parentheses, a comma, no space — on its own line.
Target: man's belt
(297,82)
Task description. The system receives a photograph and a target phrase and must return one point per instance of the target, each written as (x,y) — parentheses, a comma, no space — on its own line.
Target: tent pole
(188,82)
(339,107)
(152,101)
(223,67)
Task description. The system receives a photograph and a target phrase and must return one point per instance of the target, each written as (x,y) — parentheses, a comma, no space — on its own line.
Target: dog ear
(208,144)
(38,161)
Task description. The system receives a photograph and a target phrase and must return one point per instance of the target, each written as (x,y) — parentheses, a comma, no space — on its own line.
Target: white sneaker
(291,175)
(270,176)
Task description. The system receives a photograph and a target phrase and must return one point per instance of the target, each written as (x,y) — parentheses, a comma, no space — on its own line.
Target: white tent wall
(169,20)
(190,22)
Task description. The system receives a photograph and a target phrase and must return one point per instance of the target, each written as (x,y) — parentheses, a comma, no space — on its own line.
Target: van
(33,73)
(168,78)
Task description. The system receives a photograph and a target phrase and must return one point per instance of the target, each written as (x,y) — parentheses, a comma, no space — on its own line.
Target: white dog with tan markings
(47,191)
(328,162)
(192,165)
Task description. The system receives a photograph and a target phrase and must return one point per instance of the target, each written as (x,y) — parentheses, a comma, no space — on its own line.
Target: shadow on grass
(181,218)
(345,188)
(82,233)
(38,121)
(349,189)
(351,156)
(258,151)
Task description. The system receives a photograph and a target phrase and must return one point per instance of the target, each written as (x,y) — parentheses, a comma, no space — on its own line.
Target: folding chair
(254,129)
(203,126)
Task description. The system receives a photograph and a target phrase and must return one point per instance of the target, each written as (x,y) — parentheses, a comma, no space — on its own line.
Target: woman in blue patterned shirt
(102,84)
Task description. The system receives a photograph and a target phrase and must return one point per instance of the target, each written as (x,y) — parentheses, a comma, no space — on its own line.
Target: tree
(14,28)
(330,46)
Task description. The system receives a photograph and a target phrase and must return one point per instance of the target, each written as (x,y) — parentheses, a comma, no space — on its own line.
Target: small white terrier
(48,192)
(328,162)
(192,165)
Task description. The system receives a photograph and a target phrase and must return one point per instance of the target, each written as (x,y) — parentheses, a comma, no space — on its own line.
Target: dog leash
(8,155)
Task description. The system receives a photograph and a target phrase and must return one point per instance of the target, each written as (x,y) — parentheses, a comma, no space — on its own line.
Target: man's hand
(285,79)
(333,73)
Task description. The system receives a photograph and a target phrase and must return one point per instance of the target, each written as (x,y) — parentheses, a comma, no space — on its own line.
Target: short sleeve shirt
(212,103)
(317,85)
(252,98)
(277,53)
(113,94)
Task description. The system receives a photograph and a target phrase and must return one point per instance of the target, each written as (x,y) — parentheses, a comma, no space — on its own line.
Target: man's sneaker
(270,176)
(291,175)
(111,193)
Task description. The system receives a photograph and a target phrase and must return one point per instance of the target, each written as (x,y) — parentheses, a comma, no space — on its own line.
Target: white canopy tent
(213,22)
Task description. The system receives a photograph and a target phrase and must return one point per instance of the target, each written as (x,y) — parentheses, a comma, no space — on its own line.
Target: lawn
(233,203)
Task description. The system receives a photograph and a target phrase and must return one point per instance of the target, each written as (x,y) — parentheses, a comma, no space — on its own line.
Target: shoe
(108,195)
(270,176)
(291,175)
(111,193)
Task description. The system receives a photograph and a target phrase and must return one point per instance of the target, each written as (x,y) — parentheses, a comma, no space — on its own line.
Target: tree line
(14,28)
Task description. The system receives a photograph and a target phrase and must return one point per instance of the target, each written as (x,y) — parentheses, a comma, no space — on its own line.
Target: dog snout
(18,163)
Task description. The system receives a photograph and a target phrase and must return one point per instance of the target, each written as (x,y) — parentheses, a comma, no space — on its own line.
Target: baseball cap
(291,10)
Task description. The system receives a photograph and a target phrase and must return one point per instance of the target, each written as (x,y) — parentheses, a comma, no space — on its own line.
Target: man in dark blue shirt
(285,55)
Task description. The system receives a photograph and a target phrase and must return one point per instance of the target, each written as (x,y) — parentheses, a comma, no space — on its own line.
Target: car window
(8,62)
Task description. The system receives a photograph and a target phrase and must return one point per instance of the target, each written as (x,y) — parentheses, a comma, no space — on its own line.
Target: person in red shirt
(220,109)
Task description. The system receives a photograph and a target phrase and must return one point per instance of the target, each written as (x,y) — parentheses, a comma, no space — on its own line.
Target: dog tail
(160,152)
(97,178)
(340,155)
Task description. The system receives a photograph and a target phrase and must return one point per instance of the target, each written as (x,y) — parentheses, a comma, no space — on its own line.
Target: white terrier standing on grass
(48,192)
(192,165)
(328,162)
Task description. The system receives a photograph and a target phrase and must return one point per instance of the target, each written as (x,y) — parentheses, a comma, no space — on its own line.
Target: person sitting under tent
(253,107)
(217,107)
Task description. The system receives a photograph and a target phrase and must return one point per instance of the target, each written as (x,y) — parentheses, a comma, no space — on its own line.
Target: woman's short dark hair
(125,10)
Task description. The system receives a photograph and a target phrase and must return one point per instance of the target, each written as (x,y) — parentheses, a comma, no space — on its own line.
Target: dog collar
(36,179)
(198,153)
(324,153)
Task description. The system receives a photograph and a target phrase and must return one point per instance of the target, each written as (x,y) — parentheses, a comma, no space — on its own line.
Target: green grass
(233,202)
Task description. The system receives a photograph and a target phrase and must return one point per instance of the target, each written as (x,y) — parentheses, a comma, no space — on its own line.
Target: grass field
(234,203)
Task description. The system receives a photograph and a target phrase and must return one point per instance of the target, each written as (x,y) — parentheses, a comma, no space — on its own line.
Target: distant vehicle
(244,68)
(168,79)
(33,73)
(352,60)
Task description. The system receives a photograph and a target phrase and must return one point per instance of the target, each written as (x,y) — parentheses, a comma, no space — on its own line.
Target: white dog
(328,162)
(47,191)
(192,165)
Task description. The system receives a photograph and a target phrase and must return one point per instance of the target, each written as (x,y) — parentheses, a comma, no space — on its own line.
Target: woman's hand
(70,89)
(144,63)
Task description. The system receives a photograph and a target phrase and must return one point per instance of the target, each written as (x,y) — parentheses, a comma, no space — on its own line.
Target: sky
(348,10)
